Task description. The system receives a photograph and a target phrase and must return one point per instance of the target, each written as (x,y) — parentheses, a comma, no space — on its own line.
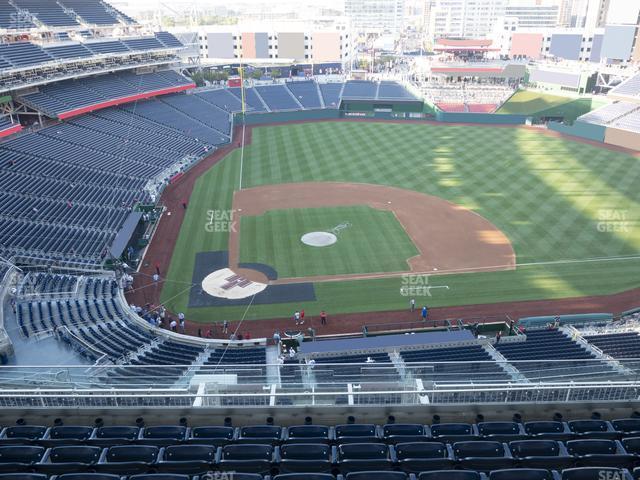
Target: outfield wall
(293,116)
(481,118)
(580,129)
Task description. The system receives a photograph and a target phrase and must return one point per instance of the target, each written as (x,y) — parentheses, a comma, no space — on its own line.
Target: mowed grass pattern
(373,242)
(555,199)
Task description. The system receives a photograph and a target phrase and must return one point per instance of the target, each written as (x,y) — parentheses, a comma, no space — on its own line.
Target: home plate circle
(225,283)
(319,239)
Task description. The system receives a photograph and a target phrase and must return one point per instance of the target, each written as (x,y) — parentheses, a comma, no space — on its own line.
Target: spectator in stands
(162,311)
(323,317)
(182,325)
(276,337)
(225,327)
(370,360)
(498,336)
(292,352)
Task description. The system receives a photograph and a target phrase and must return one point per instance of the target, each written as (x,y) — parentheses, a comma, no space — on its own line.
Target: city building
(375,15)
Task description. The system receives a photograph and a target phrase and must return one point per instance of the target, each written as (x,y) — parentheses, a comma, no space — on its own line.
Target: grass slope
(555,199)
(525,102)
(374,242)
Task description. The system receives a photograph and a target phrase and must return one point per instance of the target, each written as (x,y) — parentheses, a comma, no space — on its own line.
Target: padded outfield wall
(580,129)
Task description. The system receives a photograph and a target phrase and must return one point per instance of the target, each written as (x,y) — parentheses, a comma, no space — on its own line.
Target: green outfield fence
(580,129)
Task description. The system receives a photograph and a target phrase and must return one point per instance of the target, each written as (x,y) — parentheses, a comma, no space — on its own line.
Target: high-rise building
(464,18)
(533,13)
(375,15)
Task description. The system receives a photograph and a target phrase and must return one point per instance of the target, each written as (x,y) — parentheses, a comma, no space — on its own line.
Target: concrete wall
(291,45)
(622,138)
(220,45)
(262,44)
(527,44)
(618,41)
(566,45)
(249,45)
(277,117)
(326,46)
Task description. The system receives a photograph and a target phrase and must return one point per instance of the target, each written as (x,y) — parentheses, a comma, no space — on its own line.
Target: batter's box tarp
(207,262)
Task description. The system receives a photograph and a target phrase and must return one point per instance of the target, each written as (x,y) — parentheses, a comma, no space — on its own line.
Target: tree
(276,73)
(256,74)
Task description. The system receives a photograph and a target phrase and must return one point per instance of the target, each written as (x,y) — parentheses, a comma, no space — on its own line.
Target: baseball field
(488,214)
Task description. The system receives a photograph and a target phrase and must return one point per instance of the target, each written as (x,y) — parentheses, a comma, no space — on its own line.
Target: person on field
(225,327)
(412,305)
(173,325)
(296,317)
(301,316)
(323,317)
(425,313)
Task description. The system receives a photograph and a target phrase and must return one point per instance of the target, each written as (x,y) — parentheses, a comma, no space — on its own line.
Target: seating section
(70,50)
(629,87)
(306,93)
(92,12)
(248,363)
(471,363)
(359,89)
(617,345)
(23,54)
(71,97)
(609,113)
(168,40)
(277,97)
(393,90)
(7,126)
(355,368)
(221,98)
(47,12)
(198,109)
(308,452)
(11,19)
(67,189)
(331,94)
(535,357)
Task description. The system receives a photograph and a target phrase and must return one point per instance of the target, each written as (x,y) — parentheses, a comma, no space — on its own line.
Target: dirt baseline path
(450,238)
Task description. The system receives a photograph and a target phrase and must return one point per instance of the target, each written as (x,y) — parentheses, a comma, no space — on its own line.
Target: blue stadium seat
(359,433)
(631,445)
(306,457)
(69,459)
(422,456)
(353,457)
(548,430)
(521,474)
(128,459)
(67,435)
(22,434)
(593,429)
(377,475)
(304,476)
(549,454)
(483,455)
(404,433)
(600,452)
(160,476)
(250,458)
(629,427)
(451,475)
(260,434)
(501,431)
(87,476)
(309,434)
(163,435)
(595,473)
(453,432)
(19,457)
(23,476)
(116,435)
(217,436)
(187,459)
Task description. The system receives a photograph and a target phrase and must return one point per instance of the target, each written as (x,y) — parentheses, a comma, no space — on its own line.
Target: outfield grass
(555,199)
(374,241)
(528,102)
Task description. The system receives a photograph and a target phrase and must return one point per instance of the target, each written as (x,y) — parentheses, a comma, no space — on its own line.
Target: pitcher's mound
(225,283)
(319,239)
